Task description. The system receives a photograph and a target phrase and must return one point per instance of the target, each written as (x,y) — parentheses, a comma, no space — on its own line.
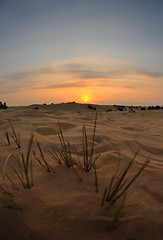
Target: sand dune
(60,206)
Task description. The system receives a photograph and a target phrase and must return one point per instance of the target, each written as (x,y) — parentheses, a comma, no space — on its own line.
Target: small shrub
(157,107)
(151,107)
(120,108)
(3,106)
(142,108)
(91,107)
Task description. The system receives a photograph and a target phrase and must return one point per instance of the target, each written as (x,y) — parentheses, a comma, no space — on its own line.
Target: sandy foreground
(60,206)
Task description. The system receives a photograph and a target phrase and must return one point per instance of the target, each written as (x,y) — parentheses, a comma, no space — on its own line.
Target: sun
(85,98)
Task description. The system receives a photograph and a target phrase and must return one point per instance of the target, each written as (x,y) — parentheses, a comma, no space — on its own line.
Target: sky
(102,51)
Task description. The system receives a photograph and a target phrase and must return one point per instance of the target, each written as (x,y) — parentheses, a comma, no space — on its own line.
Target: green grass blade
(38,160)
(93,139)
(9,204)
(20,167)
(21,180)
(42,156)
(96,179)
(15,136)
(103,198)
(110,188)
(12,183)
(27,160)
(119,213)
(31,167)
(7,137)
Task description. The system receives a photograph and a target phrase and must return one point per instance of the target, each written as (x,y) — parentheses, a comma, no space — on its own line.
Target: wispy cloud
(78,75)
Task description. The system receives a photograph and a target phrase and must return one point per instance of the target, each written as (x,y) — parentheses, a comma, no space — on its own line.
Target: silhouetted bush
(3,106)
(131,111)
(157,107)
(142,108)
(151,107)
(120,108)
(91,107)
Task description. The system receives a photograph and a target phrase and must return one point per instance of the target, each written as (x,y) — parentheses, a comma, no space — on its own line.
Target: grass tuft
(63,155)
(119,184)
(7,137)
(15,136)
(41,159)
(24,169)
(118,214)
(9,203)
(88,151)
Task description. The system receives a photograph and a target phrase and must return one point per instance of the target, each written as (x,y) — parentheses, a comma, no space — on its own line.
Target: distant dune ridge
(58,205)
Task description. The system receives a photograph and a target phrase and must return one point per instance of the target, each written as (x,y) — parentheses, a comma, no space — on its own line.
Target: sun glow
(85,98)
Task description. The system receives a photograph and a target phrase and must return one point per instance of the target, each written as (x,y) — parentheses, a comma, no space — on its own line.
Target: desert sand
(59,205)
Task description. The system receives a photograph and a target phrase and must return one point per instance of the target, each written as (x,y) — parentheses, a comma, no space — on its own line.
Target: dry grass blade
(5,165)
(13,185)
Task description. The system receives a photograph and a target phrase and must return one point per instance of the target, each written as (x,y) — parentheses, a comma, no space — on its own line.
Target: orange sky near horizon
(93,95)
(79,80)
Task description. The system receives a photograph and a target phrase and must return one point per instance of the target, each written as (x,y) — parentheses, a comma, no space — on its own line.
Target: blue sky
(48,48)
